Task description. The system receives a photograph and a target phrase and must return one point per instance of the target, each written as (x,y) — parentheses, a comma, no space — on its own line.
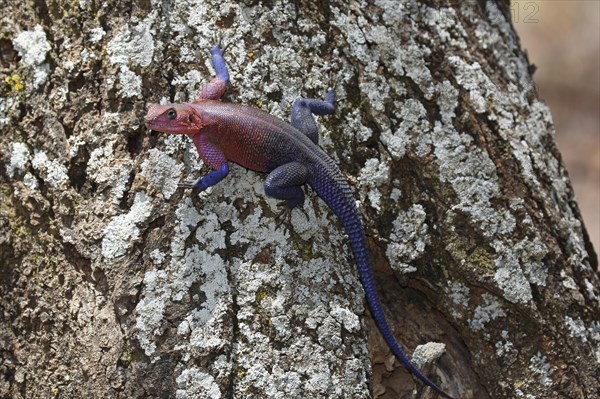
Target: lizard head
(173,119)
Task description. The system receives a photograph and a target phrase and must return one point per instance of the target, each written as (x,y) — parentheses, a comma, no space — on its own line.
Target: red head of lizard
(174,119)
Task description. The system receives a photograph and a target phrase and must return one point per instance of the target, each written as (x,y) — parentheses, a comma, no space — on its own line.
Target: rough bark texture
(115,284)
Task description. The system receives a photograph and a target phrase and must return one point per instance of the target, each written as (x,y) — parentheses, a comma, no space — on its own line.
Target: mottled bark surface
(116,284)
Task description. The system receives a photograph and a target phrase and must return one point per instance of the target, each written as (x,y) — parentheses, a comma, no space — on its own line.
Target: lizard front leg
(214,158)
(217,86)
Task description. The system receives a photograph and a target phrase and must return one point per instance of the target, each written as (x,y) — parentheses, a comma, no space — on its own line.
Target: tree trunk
(117,284)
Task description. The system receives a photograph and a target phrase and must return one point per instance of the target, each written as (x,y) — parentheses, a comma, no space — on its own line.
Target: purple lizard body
(291,155)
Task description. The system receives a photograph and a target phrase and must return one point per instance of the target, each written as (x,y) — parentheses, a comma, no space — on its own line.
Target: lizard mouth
(157,126)
(152,124)
(165,127)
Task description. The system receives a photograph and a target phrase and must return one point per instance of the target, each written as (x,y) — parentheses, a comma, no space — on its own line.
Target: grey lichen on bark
(115,283)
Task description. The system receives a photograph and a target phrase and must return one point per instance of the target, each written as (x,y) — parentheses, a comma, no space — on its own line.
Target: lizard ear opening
(171,114)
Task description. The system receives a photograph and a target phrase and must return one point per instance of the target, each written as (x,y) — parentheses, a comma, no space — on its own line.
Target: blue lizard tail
(337,195)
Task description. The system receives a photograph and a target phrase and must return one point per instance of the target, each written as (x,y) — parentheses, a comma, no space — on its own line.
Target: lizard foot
(221,40)
(185,185)
(189,185)
(284,215)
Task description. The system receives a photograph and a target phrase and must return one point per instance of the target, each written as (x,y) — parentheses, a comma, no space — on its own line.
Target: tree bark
(114,283)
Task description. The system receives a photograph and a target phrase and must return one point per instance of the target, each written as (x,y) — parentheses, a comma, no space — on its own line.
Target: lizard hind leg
(303,110)
(285,183)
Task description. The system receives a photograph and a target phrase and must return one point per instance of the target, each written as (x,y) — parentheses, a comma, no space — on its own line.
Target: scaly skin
(225,132)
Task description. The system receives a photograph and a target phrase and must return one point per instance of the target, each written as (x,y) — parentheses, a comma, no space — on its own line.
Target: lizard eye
(171,114)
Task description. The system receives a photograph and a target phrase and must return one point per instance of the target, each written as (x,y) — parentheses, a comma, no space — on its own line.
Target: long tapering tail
(337,195)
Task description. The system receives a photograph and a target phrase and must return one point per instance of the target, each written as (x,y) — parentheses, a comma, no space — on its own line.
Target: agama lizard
(291,156)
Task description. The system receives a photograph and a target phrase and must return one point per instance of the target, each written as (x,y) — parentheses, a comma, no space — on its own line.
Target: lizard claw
(221,41)
(284,215)
(189,185)
(185,185)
